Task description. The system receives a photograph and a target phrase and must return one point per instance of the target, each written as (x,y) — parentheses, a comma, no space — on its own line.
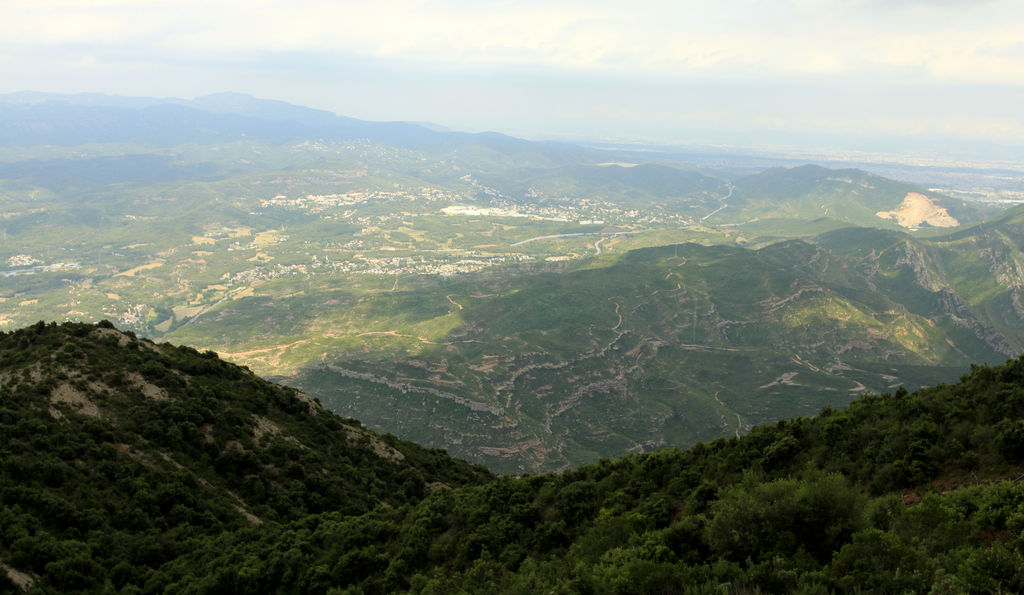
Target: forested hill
(130,466)
(116,451)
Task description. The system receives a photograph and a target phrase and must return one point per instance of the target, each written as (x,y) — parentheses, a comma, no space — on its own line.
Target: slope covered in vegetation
(118,453)
(899,492)
(668,346)
(486,294)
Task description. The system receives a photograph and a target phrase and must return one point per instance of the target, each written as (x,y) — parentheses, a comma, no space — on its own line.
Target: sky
(925,78)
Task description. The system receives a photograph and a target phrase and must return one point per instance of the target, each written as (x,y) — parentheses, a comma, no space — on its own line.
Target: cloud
(737,39)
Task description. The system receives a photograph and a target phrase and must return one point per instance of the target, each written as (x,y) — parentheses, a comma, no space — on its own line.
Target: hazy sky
(939,77)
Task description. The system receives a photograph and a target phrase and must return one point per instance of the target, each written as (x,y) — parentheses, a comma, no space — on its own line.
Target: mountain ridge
(46,118)
(811,192)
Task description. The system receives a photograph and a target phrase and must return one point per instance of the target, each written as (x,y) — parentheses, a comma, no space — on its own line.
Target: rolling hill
(109,437)
(811,193)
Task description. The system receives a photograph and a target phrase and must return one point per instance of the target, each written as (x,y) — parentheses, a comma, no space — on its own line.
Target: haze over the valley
(924,80)
(366,258)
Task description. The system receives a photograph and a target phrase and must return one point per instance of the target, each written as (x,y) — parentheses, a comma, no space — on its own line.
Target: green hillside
(118,451)
(668,346)
(976,271)
(122,465)
(677,344)
(783,202)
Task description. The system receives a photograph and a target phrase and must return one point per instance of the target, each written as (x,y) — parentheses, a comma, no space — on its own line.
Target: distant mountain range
(31,118)
(518,169)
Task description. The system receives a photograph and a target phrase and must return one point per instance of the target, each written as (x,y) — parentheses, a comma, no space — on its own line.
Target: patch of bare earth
(314,407)
(917,209)
(255,520)
(65,393)
(122,339)
(150,390)
(263,427)
(242,510)
(24,581)
(378,446)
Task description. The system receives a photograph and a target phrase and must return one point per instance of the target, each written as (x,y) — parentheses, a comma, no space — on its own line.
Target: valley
(528,306)
(518,297)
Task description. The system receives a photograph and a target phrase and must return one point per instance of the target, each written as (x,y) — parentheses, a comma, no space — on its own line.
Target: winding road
(726,197)
(576,235)
(739,420)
